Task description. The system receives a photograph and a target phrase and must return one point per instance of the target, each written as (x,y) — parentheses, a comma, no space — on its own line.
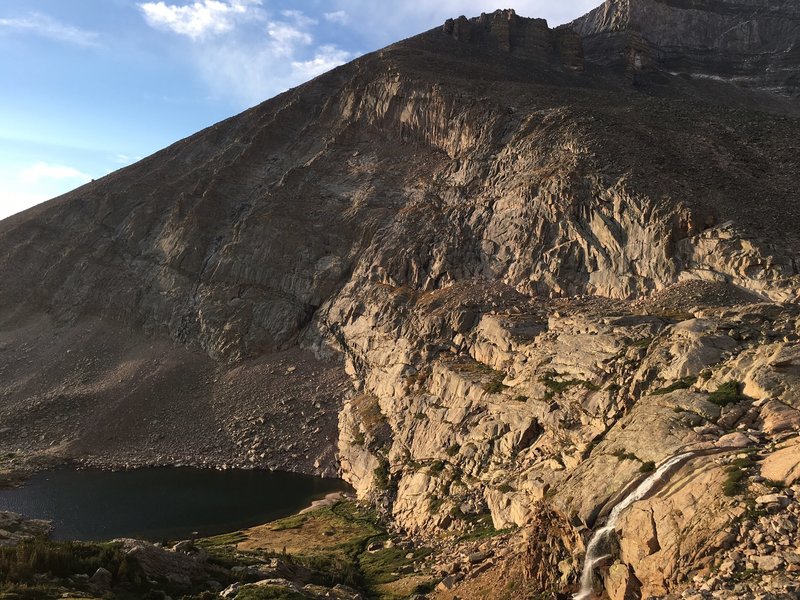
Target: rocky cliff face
(754,43)
(493,282)
(529,39)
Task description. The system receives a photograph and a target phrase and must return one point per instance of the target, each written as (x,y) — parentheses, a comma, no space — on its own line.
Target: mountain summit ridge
(748,42)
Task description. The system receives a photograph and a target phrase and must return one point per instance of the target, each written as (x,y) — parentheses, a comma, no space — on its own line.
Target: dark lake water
(161,503)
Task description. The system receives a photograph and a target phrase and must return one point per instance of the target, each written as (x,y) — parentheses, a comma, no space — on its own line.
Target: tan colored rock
(783,465)
(734,440)
(695,345)
(687,516)
(645,542)
(620,583)
(778,417)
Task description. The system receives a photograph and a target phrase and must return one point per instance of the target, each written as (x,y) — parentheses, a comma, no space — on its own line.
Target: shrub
(381,474)
(61,559)
(621,454)
(681,384)
(732,486)
(727,393)
(436,467)
(647,467)
(495,386)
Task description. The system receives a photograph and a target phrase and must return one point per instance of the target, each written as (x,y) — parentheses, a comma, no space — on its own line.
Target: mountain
(494,268)
(751,43)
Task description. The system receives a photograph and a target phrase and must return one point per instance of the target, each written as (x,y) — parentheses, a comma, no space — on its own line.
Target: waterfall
(593,555)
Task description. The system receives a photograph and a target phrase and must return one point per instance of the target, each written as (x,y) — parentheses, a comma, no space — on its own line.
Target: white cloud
(299,17)
(21,188)
(201,19)
(252,74)
(13,201)
(339,16)
(256,58)
(124,159)
(326,58)
(45,26)
(285,37)
(41,170)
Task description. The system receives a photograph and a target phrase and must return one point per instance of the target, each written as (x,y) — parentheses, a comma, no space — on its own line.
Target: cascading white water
(592,550)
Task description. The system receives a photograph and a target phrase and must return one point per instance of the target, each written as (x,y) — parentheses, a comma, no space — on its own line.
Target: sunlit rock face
(753,43)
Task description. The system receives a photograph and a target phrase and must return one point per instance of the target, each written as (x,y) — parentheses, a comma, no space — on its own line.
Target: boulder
(102,579)
(621,584)
(783,465)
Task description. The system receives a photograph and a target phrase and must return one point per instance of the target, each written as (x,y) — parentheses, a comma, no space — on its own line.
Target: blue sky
(89,86)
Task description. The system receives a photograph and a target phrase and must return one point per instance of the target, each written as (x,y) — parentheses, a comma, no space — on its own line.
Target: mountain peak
(749,42)
(526,38)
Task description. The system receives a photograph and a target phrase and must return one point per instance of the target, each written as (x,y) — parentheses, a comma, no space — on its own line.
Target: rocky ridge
(749,42)
(489,276)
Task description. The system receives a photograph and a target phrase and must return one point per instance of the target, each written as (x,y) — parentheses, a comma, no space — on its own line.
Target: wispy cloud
(13,201)
(247,54)
(124,159)
(285,37)
(45,26)
(326,58)
(200,19)
(338,16)
(299,17)
(24,186)
(41,170)
(253,74)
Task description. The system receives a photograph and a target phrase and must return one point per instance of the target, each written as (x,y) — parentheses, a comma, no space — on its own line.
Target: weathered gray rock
(101,579)
(749,42)
(15,528)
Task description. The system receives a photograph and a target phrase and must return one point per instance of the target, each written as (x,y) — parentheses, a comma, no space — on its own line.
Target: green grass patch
(495,386)
(558,387)
(61,559)
(293,522)
(729,392)
(381,474)
(482,527)
(384,565)
(268,592)
(733,484)
(226,539)
(776,485)
(622,454)
(647,467)
(682,384)
(468,365)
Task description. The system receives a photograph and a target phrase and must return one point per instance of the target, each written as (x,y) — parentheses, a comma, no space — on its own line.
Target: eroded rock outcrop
(750,42)
(528,39)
